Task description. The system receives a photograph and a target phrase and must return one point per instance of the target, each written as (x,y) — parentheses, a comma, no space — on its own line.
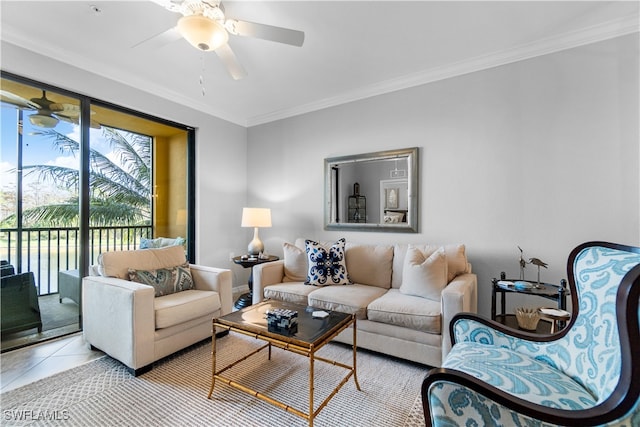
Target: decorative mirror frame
(410,226)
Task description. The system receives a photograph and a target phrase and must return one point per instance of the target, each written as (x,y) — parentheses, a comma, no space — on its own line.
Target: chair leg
(139,371)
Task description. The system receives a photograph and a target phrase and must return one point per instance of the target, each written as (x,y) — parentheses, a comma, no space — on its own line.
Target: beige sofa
(389,320)
(128,322)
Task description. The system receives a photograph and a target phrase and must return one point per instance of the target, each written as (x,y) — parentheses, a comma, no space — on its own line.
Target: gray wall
(542,153)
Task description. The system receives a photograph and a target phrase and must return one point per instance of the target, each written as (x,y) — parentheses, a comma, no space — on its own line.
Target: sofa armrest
(215,279)
(119,319)
(265,274)
(460,295)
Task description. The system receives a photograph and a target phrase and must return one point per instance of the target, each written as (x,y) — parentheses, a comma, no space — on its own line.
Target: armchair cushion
(118,263)
(520,375)
(181,307)
(165,281)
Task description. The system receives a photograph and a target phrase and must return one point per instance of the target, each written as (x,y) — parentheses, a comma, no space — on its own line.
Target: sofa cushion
(165,281)
(424,276)
(457,262)
(326,265)
(118,263)
(184,306)
(408,311)
(295,263)
(352,299)
(370,264)
(295,292)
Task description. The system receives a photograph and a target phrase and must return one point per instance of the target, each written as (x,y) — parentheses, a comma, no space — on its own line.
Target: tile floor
(28,364)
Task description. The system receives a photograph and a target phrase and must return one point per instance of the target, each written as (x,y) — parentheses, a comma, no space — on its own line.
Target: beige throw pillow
(424,276)
(456,260)
(295,263)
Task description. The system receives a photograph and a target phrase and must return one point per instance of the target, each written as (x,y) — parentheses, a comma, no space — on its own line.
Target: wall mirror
(372,191)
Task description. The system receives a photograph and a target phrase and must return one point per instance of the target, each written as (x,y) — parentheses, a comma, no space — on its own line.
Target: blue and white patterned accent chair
(588,374)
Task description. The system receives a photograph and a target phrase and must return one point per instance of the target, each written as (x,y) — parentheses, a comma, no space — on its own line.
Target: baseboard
(240,289)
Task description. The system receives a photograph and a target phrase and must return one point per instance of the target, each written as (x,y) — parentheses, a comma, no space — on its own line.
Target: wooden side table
(546,290)
(246,300)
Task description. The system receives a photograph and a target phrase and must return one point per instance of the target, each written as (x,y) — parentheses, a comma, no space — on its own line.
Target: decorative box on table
(282,320)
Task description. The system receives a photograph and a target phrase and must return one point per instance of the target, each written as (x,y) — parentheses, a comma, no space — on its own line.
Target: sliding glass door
(74,188)
(39,216)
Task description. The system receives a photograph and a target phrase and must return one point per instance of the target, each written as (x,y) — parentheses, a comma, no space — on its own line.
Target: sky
(37,149)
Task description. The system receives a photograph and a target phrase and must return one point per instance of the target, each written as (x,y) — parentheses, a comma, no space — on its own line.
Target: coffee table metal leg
(355,374)
(213,361)
(311,389)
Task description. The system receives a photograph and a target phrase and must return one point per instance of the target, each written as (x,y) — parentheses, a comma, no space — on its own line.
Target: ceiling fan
(204,25)
(48,113)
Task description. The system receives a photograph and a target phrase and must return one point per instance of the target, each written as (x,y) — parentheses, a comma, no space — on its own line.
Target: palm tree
(120,192)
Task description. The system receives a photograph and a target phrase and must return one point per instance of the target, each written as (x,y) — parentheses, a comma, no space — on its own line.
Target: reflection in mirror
(372,191)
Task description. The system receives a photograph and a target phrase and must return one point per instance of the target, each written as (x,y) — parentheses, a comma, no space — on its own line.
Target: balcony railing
(46,251)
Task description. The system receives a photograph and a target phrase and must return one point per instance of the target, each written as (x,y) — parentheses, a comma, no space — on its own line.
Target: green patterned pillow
(164,280)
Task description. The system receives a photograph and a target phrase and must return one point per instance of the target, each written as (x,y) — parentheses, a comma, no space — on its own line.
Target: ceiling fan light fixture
(43,120)
(202,33)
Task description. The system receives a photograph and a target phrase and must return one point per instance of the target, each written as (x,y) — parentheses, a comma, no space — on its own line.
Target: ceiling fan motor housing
(203,33)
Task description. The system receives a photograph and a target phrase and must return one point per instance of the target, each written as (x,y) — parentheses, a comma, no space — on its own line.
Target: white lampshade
(203,33)
(256,217)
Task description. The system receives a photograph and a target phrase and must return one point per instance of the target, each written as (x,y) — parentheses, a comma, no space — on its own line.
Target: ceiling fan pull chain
(202,75)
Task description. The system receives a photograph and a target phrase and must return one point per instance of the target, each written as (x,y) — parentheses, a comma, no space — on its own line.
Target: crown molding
(569,40)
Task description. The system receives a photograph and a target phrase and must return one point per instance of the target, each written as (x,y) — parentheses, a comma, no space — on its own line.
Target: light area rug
(174,392)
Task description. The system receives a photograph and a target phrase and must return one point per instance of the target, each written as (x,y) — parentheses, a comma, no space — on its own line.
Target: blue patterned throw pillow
(165,281)
(326,266)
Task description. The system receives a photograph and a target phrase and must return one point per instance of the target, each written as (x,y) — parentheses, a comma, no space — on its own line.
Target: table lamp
(256,218)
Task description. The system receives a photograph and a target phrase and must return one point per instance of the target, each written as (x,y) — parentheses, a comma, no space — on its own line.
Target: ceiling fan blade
(172,5)
(230,61)
(159,40)
(267,32)
(17,101)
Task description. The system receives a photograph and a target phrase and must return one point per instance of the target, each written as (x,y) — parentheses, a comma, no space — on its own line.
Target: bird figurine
(539,263)
(523,263)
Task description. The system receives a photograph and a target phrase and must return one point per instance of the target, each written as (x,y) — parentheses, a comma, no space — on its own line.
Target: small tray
(522,285)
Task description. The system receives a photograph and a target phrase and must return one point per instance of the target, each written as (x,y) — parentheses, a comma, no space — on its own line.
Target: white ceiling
(352,50)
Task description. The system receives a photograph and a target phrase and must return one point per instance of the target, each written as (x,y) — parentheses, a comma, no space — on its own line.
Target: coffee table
(311,335)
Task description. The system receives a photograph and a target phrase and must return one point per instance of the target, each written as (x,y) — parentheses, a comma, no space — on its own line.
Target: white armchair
(125,319)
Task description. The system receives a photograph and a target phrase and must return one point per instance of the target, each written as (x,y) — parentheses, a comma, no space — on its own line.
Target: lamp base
(245,300)
(255,246)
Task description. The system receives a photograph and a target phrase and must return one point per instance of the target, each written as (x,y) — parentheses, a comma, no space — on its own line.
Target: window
(57,216)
